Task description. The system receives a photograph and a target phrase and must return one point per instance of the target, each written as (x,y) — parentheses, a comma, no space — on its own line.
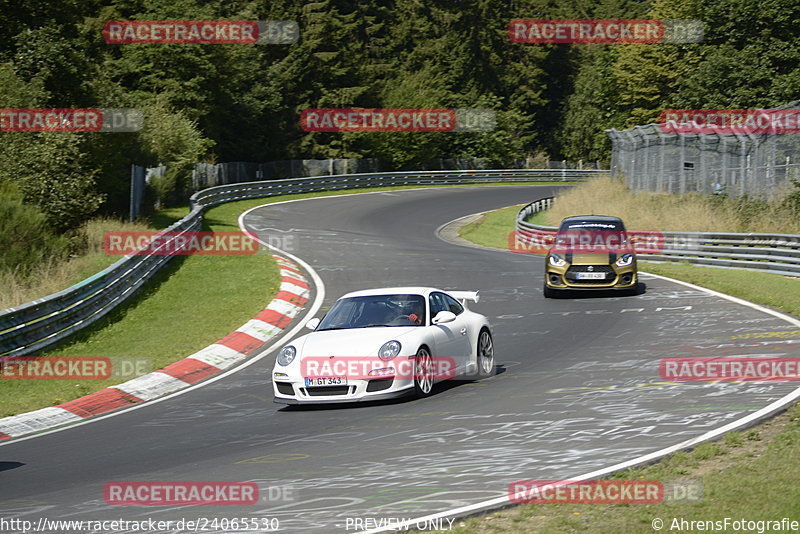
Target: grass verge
(747,475)
(189,304)
(491,229)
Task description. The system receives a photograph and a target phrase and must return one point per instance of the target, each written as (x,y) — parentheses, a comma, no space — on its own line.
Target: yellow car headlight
(625,260)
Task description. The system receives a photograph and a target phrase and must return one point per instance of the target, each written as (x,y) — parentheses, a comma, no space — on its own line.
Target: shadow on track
(7,466)
(438,389)
(579,294)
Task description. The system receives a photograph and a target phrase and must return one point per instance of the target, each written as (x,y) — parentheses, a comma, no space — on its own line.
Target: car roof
(591,218)
(406,290)
(591,222)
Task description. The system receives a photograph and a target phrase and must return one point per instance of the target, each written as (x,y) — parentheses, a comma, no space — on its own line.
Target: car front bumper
(288,391)
(565,277)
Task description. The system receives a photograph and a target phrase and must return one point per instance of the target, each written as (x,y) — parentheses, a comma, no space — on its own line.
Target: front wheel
(549,292)
(485,354)
(423,373)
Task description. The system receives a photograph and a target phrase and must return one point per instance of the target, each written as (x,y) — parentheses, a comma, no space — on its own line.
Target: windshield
(592,237)
(375,310)
(589,238)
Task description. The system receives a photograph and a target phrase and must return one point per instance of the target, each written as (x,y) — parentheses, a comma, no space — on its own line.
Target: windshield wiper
(373,325)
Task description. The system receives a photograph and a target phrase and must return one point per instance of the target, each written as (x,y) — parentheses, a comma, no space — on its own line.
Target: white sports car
(382,343)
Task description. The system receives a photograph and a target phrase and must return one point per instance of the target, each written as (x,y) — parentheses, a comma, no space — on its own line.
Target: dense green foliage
(242,102)
(25,238)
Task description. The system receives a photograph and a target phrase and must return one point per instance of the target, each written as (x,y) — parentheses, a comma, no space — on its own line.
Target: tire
(636,290)
(549,293)
(423,373)
(485,354)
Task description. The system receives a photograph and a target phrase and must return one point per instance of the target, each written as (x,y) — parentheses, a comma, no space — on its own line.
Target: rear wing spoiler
(464,296)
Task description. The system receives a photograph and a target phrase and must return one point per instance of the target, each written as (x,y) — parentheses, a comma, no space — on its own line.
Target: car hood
(352,342)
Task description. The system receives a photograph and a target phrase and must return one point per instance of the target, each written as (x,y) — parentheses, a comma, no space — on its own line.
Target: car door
(464,345)
(448,338)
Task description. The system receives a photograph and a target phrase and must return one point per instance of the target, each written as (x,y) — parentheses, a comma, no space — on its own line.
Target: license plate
(591,276)
(326,381)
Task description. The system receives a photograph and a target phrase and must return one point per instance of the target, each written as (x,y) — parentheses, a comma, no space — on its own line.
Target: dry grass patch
(55,274)
(662,211)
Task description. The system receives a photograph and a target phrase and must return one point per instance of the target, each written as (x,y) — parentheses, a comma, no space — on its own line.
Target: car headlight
(625,260)
(286,355)
(389,350)
(557,261)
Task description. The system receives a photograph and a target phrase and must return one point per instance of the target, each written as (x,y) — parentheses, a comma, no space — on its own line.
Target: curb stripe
(291,288)
(101,402)
(274,318)
(189,370)
(17,425)
(259,330)
(284,308)
(219,356)
(291,298)
(241,342)
(286,264)
(150,386)
(295,281)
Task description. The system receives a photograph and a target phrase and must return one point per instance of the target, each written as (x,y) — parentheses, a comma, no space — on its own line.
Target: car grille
(379,385)
(575,269)
(284,388)
(322,391)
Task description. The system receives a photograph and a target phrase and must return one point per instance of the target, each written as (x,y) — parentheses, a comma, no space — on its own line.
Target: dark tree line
(242,103)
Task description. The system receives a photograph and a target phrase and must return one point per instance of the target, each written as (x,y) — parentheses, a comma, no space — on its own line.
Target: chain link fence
(759,165)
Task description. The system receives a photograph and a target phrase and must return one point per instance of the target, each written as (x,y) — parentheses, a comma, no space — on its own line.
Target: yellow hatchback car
(591,252)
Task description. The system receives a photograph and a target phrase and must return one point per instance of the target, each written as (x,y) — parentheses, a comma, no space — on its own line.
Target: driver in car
(417,315)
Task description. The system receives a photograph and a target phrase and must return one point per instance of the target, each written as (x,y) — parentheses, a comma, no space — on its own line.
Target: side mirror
(313,323)
(444,317)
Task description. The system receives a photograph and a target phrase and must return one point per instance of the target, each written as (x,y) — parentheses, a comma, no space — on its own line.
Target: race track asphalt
(577,388)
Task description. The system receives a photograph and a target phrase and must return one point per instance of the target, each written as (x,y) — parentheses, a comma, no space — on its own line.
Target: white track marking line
(764,413)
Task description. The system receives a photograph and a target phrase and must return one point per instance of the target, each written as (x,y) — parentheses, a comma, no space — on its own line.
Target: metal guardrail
(226,193)
(37,325)
(775,253)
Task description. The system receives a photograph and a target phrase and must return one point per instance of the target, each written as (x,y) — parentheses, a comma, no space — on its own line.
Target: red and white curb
(237,346)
